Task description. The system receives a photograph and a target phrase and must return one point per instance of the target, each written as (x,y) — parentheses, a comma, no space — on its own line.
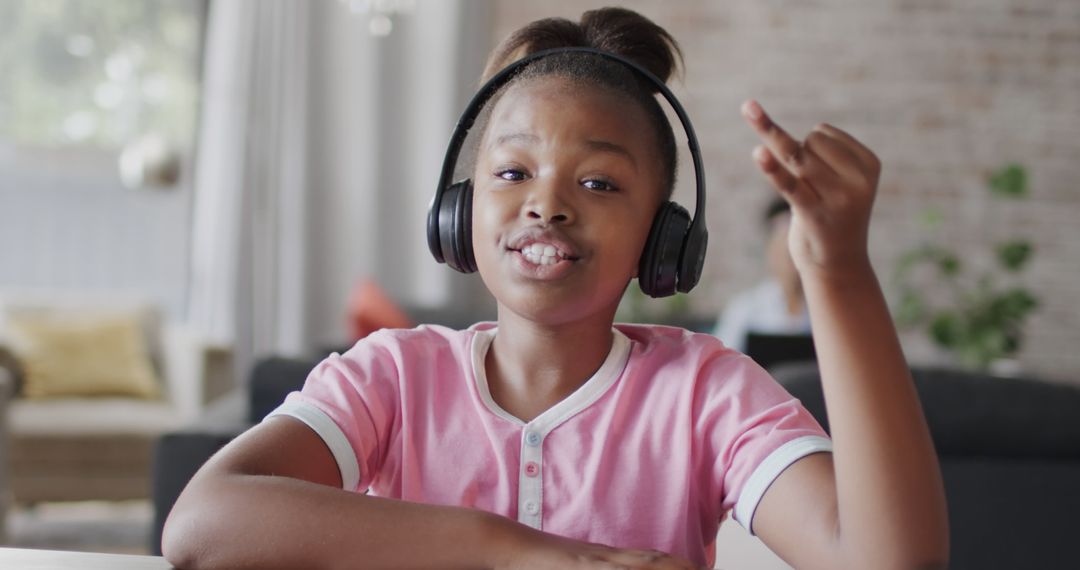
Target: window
(97,75)
(81,81)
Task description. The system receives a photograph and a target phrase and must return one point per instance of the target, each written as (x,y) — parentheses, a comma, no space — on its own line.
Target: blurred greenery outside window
(96,75)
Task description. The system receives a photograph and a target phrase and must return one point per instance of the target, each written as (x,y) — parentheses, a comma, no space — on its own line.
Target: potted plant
(976,315)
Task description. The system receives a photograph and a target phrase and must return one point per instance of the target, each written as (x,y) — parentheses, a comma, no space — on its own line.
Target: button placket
(531,479)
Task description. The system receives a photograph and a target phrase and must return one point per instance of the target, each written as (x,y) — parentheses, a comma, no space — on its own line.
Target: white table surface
(28,559)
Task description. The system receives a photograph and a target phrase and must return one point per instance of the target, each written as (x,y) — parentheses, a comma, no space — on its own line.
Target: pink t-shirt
(672,432)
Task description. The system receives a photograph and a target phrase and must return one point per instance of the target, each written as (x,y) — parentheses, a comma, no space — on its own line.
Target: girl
(553,439)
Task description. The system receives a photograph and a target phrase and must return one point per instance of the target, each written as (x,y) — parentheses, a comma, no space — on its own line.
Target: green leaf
(1014,254)
(1009,182)
(910,258)
(931,217)
(949,264)
(1019,302)
(946,330)
(911,309)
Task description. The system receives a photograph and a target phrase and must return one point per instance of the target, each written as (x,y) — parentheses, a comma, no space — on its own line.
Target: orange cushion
(371,309)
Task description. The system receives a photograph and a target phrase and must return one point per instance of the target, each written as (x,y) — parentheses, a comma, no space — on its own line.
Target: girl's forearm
(256,521)
(889,491)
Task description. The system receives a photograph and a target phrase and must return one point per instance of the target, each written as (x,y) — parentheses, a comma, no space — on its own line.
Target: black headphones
(675,250)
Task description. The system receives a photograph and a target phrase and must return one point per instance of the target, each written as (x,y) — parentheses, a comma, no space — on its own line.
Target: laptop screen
(771,349)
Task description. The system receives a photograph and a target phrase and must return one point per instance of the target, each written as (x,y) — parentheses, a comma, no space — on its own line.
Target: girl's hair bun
(616,30)
(633,36)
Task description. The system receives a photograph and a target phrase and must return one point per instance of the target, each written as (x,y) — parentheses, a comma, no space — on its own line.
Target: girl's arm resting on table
(878,500)
(272,498)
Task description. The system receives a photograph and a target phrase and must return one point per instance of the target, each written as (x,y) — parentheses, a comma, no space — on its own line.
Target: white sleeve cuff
(769,469)
(331,434)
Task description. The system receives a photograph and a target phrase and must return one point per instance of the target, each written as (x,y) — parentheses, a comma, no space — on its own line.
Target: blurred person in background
(775,306)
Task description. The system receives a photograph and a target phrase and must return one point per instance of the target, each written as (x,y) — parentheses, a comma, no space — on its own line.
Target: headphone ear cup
(434,241)
(658,269)
(692,260)
(454,227)
(463,229)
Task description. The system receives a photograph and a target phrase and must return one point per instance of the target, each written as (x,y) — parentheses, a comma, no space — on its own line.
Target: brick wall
(943,92)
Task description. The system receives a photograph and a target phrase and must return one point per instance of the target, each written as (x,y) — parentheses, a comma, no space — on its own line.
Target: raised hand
(830,180)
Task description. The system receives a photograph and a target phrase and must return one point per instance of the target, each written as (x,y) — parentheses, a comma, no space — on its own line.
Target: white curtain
(247,286)
(320,146)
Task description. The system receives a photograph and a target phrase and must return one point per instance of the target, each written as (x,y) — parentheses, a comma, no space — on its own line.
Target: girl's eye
(510,174)
(599,185)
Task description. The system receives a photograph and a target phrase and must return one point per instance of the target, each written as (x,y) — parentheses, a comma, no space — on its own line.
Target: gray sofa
(1010,458)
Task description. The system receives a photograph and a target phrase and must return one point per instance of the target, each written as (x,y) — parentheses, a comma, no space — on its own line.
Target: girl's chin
(553,310)
(542,310)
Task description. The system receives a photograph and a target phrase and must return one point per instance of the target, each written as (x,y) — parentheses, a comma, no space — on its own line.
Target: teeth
(540,250)
(541,259)
(542,254)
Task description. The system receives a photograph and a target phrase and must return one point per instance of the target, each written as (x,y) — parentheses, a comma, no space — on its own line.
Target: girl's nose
(555,218)
(546,204)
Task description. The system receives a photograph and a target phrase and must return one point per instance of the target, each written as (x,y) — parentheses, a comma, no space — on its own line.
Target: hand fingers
(866,156)
(835,152)
(790,187)
(790,153)
(829,158)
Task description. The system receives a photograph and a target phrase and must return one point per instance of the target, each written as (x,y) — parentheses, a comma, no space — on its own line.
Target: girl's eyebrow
(608,146)
(592,144)
(522,138)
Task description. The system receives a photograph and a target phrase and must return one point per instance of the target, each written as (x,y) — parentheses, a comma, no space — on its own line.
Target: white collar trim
(579,400)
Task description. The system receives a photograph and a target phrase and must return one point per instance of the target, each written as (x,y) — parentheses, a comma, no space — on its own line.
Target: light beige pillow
(83,356)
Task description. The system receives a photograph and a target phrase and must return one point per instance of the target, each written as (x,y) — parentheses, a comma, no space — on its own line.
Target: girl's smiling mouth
(543,268)
(541,253)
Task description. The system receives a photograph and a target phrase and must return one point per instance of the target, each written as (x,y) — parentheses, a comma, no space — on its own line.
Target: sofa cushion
(69,304)
(83,356)
(371,309)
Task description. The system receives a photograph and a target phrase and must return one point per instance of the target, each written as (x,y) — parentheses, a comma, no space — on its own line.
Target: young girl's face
(567,181)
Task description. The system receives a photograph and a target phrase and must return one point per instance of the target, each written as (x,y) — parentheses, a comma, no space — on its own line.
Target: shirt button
(532,438)
(532,469)
(532,507)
